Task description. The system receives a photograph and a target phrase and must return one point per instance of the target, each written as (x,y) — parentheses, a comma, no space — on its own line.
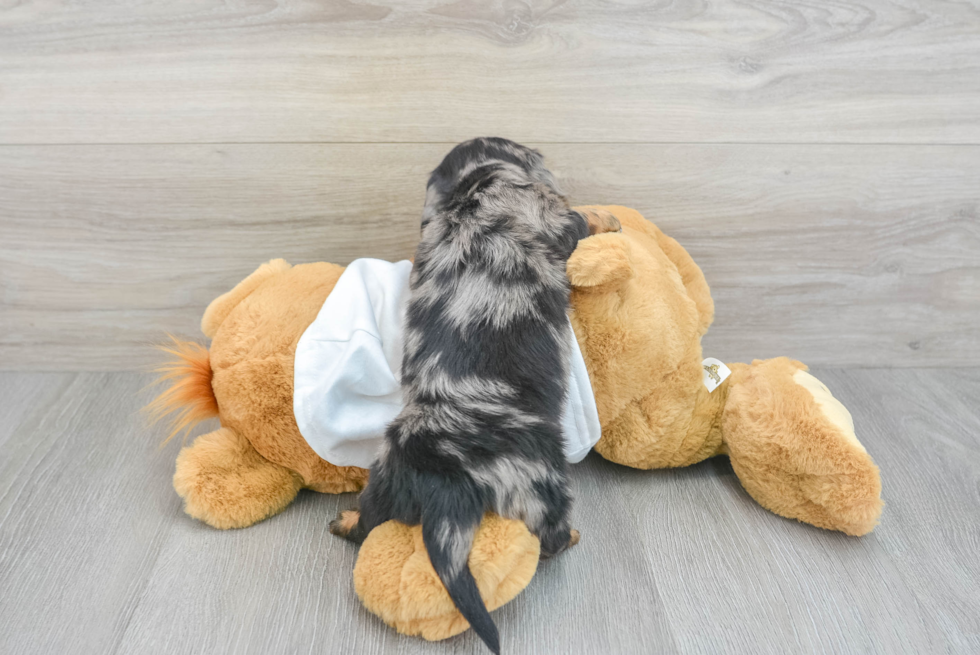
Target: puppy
(484,369)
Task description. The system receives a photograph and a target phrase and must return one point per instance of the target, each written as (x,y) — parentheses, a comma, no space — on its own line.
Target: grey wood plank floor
(97,557)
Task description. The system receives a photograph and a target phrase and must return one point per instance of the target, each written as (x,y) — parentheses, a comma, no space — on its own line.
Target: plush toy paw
(395,580)
(227,484)
(794,449)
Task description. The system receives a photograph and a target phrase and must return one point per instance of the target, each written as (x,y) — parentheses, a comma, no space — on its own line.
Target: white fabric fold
(348,364)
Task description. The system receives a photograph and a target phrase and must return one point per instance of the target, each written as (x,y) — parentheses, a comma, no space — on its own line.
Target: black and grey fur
(484,374)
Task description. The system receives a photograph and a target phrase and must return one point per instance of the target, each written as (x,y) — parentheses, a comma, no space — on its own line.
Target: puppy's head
(477,163)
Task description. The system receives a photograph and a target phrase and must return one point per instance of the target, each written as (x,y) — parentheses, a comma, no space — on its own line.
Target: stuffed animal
(640,306)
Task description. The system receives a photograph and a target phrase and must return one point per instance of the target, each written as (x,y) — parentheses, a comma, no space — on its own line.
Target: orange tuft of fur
(188,398)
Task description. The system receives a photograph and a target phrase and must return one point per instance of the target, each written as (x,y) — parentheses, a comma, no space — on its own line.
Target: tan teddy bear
(640,306)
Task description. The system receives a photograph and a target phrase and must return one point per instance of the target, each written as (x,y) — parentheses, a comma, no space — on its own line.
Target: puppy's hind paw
(343,524)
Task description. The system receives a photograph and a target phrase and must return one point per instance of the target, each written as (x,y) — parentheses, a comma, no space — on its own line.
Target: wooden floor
(96,555)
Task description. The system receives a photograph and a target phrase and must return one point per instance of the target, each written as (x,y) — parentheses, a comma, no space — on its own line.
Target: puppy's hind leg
(555,533)
(555,540)
(375,508)
(348,525)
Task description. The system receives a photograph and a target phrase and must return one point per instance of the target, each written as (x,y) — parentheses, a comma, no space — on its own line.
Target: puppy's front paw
(601,221)
(343,524)
(574,539)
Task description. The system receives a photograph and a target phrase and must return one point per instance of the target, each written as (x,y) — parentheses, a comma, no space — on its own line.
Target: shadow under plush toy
(640,306)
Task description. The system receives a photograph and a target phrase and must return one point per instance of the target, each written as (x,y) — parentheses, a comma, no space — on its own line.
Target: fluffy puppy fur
(484,374)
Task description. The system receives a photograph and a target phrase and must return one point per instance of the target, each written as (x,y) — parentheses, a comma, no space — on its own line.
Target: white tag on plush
(715,372)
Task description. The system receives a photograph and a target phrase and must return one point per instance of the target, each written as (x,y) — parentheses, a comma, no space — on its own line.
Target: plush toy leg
(395,580)
(793,447)
(227,484)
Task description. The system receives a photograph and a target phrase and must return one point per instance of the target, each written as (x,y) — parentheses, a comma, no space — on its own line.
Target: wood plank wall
(820,162)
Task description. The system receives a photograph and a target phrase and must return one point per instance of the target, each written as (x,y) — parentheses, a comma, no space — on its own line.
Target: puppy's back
(484,373)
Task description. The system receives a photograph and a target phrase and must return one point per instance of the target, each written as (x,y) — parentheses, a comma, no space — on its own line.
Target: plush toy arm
(600,261)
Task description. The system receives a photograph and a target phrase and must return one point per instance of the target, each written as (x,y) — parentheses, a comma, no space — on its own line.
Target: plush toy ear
(221,306)
(599,261)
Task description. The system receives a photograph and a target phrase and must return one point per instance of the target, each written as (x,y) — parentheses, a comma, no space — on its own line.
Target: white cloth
(348,367)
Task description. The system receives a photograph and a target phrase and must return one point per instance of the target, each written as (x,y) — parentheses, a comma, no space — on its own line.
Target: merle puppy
(484,373)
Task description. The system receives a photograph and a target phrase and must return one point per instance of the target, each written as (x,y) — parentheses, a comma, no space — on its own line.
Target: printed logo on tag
(714,373)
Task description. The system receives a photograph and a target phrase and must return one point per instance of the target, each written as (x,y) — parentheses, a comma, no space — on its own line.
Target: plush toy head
(640,307)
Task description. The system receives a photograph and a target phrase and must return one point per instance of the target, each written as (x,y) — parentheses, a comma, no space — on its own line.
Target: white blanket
(348,364)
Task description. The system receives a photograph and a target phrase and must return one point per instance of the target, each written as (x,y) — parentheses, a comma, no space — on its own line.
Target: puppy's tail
(450,517)
(188,398)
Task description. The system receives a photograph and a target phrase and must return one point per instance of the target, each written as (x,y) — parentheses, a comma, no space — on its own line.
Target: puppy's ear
(600,261)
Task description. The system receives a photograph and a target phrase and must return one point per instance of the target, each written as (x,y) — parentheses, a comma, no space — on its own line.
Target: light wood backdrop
(820,161)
